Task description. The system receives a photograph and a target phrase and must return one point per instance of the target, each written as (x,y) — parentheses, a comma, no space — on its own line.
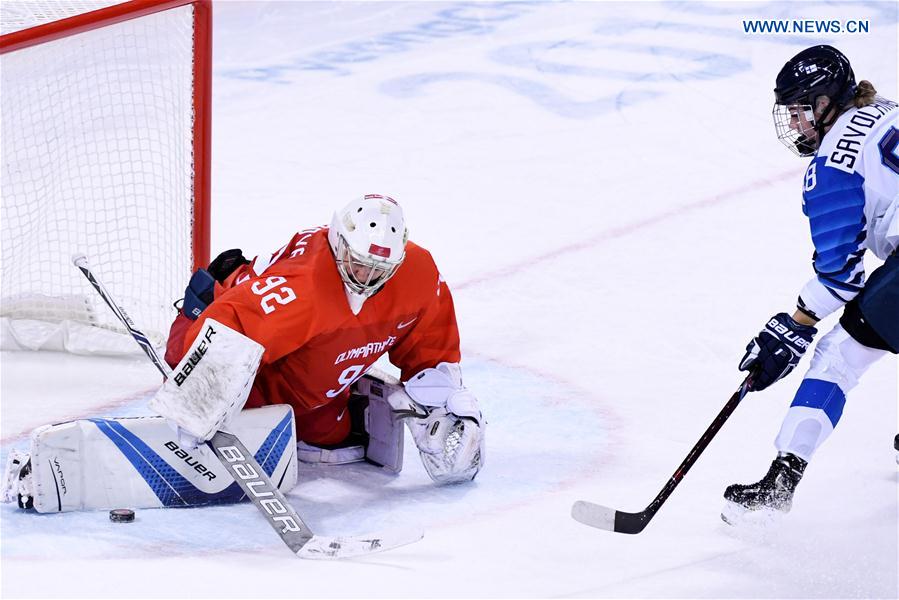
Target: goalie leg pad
(211,383)
(93,464)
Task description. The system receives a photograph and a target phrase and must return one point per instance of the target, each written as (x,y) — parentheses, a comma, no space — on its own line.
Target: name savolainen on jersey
(853,135)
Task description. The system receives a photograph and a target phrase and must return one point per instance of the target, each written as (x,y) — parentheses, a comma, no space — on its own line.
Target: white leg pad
(137,463)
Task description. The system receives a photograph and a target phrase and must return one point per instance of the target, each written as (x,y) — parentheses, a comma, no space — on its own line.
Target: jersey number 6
(887,146)
(282,296)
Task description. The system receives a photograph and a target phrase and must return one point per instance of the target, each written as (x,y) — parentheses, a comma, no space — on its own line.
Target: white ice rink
(602,188)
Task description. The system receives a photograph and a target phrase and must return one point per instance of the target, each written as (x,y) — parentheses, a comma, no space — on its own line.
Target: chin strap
(822,123)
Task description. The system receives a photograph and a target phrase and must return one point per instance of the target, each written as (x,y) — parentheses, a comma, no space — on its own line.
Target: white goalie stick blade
(594,515)
(322,547)
(284,518)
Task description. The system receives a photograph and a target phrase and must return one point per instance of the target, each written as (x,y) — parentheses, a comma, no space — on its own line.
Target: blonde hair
(864,94)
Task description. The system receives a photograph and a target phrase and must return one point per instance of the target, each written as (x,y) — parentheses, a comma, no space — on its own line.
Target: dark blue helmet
(816,71)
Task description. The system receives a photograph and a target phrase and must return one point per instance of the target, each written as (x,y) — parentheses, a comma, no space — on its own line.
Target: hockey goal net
(105,115)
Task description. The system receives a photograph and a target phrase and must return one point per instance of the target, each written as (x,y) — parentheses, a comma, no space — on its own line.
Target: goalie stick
(603,517)
(254,482)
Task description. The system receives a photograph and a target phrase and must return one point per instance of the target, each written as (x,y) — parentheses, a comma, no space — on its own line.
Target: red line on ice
(623,230)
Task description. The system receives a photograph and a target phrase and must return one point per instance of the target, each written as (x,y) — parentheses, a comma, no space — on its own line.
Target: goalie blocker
(139,462)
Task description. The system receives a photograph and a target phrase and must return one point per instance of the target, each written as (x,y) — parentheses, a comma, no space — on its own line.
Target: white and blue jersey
(851,198)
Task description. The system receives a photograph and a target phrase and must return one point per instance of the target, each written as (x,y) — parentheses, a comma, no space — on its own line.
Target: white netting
(97,159)
(22,14)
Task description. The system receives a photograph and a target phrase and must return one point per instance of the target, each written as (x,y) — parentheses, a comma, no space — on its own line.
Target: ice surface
(601,186)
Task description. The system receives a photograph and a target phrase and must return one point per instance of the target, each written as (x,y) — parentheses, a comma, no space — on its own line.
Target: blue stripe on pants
(825,395)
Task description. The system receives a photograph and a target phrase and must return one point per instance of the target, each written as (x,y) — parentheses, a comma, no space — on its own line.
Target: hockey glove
(199,294)
(200,290)
(226,263)
(446,424)
(776,350)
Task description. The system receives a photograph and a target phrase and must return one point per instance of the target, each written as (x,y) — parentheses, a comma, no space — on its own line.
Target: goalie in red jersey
(292,338)
(323,309)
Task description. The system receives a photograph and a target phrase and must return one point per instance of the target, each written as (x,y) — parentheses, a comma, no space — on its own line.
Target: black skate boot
(896,446)
(772,495)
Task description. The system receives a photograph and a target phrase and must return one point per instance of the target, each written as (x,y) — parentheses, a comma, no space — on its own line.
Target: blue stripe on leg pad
(172,488)
(824,395)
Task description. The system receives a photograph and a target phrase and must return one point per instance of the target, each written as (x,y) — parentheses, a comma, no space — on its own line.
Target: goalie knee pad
(93,464)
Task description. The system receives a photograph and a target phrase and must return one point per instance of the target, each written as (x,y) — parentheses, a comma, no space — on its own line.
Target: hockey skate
(18,484)
(767,500)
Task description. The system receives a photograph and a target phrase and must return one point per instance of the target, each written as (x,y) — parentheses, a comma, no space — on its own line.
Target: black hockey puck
(121,515)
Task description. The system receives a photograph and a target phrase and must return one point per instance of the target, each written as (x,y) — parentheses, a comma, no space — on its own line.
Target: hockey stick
(603,517)
(254,482)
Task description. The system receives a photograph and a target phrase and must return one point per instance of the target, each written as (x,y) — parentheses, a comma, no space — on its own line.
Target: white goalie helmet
(368,237)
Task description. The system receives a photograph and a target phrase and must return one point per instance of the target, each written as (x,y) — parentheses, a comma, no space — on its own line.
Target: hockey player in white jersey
(851,198)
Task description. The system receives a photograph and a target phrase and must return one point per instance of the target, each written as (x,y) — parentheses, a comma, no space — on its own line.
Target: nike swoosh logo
(406,324)
(340,416)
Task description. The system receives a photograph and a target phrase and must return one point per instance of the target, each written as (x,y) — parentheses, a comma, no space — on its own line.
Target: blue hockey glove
(776,350)
(199,294)
(201,289)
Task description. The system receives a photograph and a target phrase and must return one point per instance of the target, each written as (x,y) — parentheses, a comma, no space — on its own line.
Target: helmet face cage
(363,273)
(795,127)
(815,72)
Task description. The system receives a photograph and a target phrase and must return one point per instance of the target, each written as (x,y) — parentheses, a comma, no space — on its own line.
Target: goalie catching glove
(445,422)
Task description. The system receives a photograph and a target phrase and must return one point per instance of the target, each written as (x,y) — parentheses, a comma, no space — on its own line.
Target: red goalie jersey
(315,347)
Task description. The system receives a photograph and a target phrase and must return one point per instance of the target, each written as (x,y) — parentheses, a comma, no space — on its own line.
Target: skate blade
(737,515)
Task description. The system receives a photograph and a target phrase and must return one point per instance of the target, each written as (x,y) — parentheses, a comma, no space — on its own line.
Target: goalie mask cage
(105,114)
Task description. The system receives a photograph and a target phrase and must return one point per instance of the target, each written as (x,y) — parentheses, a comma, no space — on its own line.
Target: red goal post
(106,120)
